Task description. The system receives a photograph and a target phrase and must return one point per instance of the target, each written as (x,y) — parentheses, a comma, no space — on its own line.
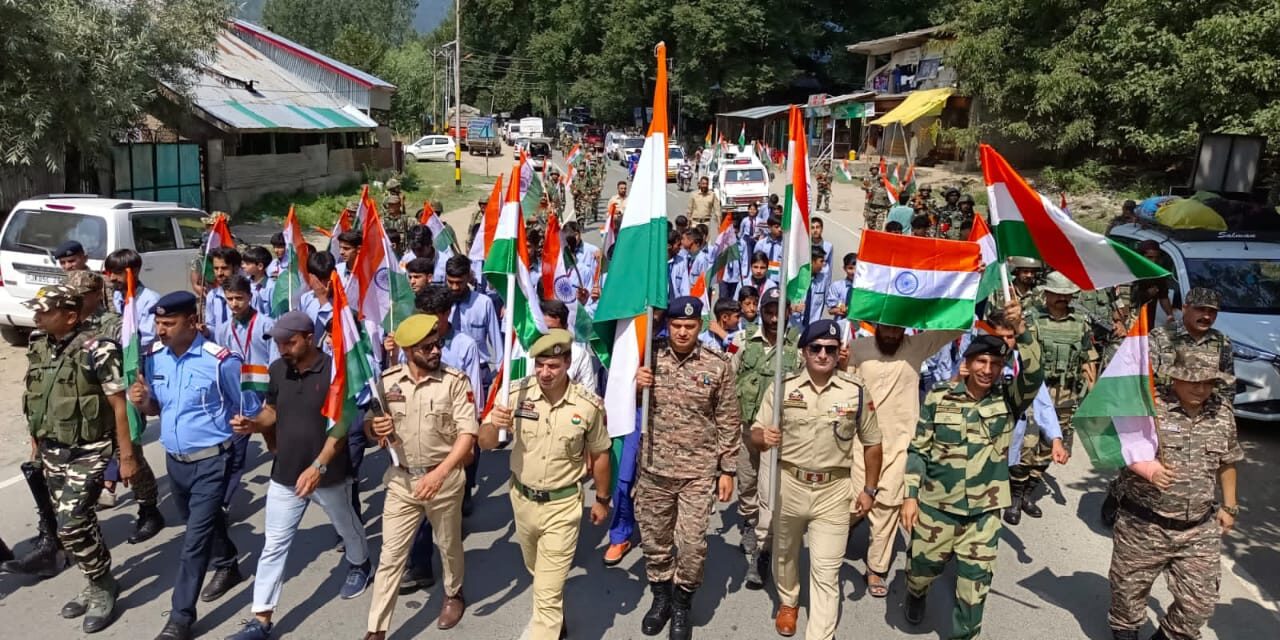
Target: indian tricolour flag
(919,283)
(508,264)
(843,171)
(377,282)
(353,365)
(1029,224)
(725,249)
(131,338)
(219,236)
(575,155)
(1116,420)
(981,234)
(442,237)
(290,284)
(795,213)
(488,226)
(641,250)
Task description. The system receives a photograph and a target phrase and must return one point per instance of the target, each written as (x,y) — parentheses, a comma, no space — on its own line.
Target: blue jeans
(623,521)
(284,514)
(198,489)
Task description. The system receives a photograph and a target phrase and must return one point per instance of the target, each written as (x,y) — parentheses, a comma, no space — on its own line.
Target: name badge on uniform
(526,411)
(159,377)
(795,399)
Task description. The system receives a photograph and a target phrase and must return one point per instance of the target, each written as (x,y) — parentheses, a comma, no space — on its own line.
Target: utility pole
(457,92)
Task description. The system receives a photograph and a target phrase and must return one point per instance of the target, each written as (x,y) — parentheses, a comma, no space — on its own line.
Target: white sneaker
(106,500)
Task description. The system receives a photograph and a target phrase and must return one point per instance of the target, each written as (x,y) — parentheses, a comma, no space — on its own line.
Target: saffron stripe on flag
(892,249)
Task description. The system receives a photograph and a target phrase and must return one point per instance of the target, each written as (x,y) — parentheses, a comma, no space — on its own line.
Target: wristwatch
(1233,510)
(604,500)
(320,466)
(871,491)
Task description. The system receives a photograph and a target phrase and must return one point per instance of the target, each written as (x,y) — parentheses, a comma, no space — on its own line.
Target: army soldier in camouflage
(823,177)
(948,215)
(957,473)
(755,359)
(827,421)
(76,412)
(1169,521)
(688,459)
(1195,334)
(1070,368)
(395,218)
(877,205)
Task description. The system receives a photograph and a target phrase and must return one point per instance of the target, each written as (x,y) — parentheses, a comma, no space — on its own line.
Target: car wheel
(409,157)
(448,157)
(14,336)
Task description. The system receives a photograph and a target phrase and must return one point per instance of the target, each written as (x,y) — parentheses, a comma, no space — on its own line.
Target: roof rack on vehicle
(62,196)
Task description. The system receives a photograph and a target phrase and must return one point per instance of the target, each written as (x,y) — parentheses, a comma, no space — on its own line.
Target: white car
(612,142)
(1244,268)
(675,157)
(430,148)
(510,131)
(741,181)
(167,235)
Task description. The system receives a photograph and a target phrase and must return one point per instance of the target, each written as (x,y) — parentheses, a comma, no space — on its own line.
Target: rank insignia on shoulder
(217,351)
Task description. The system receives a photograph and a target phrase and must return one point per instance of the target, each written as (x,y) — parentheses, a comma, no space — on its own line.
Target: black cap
(175,304)
(684,307)
(819,330)
(987,345)
(771,296)
(68,249)
(290,323)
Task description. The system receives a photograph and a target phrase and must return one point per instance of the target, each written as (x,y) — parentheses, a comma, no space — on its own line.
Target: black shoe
(415,579)
(1013,513)
(1159,634)
(222,582)
(660,611)
(6,554)
(681,625)
(1124,634)
(1028,501)
(149,524)
(915,608)
(174,630)
(44,561)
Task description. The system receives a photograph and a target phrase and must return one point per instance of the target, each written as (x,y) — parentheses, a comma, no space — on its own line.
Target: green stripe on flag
(1101,442)
(1137,263)
(1013,239)
(902,311)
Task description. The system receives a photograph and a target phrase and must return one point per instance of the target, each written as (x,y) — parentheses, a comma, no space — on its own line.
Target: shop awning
(917,105)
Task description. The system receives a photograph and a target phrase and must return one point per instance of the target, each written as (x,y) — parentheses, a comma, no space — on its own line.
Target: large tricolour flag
(1116,420)
(489,225)
(508,259)
(1029,224)
(641,249)
(981,234)
(377,283)
(290,284)
(353,365)
(131,338)
(919,283)
(795,212)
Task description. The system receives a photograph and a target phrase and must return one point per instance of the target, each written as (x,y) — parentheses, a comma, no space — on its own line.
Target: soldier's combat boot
(1124,634)
(102,604)
(46,558)
(1013,513)
(1159,634)
(1028,497)
(78,605)
(753,580)
(916,606)
(660,611)
(681,624)
(150,523)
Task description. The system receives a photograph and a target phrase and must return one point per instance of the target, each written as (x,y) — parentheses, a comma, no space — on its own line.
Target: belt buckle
(539,495)
(813,477)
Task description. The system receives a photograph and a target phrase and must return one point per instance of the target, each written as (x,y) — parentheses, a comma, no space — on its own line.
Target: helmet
(1059,284)
(950,191)
(1023,262)
(966,198)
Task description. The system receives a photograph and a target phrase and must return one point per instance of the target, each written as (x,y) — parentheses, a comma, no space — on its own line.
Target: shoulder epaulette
(792,375)
(588,396)
(452,371)
(395,370)
(216,350)
(722,356)
(851,377)
(526,381)
(156,347)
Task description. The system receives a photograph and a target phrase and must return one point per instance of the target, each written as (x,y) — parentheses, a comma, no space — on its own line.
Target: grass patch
(423,181)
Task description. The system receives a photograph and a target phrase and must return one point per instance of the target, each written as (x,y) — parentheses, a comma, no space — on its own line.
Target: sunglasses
(427,347)
(829,349)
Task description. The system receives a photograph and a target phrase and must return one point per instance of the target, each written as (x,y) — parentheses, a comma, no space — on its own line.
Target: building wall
(237,181)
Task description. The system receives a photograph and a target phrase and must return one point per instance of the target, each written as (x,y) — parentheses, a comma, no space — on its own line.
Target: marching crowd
(944,434)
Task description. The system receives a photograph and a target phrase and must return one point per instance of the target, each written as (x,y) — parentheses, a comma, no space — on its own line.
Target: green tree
(357,32)
(410,69)
(75,72)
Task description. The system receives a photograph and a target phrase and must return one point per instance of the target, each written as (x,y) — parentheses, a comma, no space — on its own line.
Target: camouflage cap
(1203,297)
(84,281)
(55,296)
(1023,262)
(1197,366)
(392,185)
(966,198)
(1059,284)
(950,191)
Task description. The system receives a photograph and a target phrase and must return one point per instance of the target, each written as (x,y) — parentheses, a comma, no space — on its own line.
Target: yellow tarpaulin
(917,105)
(1190,214)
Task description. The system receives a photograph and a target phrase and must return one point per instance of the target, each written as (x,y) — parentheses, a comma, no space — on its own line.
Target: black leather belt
(1143,513)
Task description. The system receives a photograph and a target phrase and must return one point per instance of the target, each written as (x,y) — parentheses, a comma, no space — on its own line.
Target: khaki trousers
(823,511)
(548,535)
(401,516)
(750,463)
(883,523)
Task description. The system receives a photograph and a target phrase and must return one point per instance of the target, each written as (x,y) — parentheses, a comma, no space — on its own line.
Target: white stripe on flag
(916,283)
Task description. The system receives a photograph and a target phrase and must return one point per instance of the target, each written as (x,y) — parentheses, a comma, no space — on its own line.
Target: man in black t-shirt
(311,465)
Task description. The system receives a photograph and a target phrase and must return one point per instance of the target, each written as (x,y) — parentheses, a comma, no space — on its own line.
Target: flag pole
(647,393)
(775,477)
(508,311)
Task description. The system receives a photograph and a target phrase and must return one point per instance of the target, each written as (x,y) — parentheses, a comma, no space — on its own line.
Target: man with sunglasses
(822,410)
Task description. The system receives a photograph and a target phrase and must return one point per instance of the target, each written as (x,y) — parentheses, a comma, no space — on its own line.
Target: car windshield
(541,149)
(633,143)
(744,175)
(29,229)
(675,153)
(1246,286)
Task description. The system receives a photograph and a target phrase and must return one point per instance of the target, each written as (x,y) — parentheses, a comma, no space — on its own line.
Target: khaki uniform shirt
(429,414)
(704,207)
(551,440)
(1194,449)
(819,423)
(893,388)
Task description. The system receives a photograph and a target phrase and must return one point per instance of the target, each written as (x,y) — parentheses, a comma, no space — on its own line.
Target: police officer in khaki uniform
(555,424)
(822,410)
(429,430)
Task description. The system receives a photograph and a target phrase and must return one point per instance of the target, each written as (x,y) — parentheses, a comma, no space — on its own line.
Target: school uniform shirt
(217,313)
(815,304)
(145,300)
(248,339)
(262,292)
(701,262)
(826,266)
(273,270)
(320,314)
(678,276)
(477,317)
(761,285)
(838,294)
(772,248)
(714,343)
(585,261)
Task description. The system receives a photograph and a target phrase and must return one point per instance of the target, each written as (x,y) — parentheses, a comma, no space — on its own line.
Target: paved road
(1050,577)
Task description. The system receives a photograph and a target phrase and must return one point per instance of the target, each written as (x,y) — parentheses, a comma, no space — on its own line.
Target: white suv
(167,235)
(1244,268)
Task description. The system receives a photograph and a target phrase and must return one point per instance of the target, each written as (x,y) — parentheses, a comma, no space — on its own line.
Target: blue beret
(68,249)
(684,307)
(175,304)
(819,330)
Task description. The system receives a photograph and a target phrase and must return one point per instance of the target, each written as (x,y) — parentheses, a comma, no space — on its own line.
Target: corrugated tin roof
(755,113)
(246,91)
(857,95)
(889,44)
(313,56)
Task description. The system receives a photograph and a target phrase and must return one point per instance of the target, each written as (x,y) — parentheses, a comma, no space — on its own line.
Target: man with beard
(889,365)
(474,315)
(957,474)
(704,206)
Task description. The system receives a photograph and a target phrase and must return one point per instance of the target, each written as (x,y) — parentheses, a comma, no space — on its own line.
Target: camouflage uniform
(401,223)
(823,178)
(957,468)
(1174,531)
(877,207)
(1170,343)
(693,436)
(67,385)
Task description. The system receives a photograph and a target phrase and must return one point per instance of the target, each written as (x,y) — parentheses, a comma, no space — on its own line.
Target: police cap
(684,308)
(55,296)
(68,249)
(819,330)
(414,329)
(1203,297)
(987,345)
(555,343)
(177,303)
